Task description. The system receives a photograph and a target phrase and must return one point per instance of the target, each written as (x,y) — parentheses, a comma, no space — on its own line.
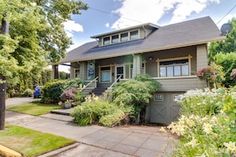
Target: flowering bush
(207,126)
(213,74)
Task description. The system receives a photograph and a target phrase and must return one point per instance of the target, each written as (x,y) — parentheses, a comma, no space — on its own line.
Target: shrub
(52,91)
(69,94)
(202,102)
(27,93)
(97,111)
(136,92)
(112,119)
(79,98)
(207,126)
(213,74)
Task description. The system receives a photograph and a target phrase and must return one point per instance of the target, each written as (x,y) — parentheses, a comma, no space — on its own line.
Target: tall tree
(36,35)
(226,46)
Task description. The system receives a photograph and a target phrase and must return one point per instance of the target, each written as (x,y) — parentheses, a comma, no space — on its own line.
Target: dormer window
(124,37)
(134,35)
(106,41)
(115,39)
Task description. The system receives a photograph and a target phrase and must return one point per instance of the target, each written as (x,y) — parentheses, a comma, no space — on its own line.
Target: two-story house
(170,54)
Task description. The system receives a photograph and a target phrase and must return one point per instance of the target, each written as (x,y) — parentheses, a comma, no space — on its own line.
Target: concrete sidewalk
(18,101)
(126,141)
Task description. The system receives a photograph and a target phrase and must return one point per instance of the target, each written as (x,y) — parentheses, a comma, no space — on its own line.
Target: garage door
(163,108)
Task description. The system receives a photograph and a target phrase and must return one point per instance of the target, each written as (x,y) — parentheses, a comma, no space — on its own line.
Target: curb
(60,150)
(4,151)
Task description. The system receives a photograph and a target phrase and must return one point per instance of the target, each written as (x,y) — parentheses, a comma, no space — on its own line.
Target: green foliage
(79,98)
(228,62)
(28,93)
(97,111)
(224,46)
(36,37)
(112,119)
(207,126)
(136,93)
(76,82)
(52,91)
(213,74)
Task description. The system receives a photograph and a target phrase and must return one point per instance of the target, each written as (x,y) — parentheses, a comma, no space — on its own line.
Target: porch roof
(193,32)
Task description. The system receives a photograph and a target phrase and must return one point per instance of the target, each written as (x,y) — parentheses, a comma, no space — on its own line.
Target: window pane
(177,71)
(106,41)
(185,70)
(106,77)
(162,71)
(124,37)
(134,35)
(170,71)
(115,38)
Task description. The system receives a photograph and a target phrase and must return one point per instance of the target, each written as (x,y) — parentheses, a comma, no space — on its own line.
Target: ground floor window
(76,73)
(174,68)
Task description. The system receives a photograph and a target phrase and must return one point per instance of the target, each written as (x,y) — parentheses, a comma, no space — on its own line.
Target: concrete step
(65,112)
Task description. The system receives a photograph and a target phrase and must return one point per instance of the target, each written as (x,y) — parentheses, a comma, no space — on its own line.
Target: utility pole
(4,30)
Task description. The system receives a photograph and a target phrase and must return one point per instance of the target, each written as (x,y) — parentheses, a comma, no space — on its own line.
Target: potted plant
(68,97)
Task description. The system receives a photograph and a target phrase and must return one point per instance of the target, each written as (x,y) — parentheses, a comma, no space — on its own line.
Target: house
(170,54)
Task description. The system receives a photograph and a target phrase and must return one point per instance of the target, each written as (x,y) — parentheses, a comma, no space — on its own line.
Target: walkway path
(101,141)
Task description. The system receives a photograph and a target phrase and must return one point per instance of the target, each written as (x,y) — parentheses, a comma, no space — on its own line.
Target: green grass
(29,142)
(34,108)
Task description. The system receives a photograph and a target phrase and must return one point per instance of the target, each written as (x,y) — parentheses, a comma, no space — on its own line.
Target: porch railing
(91,82)
(117,80)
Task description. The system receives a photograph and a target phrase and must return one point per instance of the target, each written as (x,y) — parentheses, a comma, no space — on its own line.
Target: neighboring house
(170,54)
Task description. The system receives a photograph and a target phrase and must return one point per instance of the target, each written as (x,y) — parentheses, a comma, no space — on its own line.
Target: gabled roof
(193,32)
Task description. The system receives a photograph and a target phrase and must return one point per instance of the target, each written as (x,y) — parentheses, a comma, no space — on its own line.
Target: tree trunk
(4,30)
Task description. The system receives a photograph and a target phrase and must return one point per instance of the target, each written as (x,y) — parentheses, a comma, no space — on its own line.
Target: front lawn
(29,142)
(34,108)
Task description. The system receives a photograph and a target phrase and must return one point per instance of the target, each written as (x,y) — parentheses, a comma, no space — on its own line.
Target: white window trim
(189,57)
(75,72)
(120,65)
(133,31)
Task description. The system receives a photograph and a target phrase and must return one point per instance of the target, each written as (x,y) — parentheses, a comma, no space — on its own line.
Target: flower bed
(207,125)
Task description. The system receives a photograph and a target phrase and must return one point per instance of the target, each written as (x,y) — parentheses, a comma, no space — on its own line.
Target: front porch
(175,69)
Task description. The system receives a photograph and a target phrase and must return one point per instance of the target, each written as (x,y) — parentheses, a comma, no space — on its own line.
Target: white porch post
(137,65)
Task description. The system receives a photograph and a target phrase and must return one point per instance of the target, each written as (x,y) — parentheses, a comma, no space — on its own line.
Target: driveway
(101,141)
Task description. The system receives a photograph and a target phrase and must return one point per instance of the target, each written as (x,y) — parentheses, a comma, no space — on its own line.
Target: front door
(105,74)
(120,72)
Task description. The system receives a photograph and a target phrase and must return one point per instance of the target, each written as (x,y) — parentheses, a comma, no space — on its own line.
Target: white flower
(231,147)
(162,129)
(193,143)
(207,128)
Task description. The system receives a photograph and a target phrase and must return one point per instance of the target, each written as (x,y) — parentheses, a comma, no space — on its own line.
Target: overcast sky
(107,15)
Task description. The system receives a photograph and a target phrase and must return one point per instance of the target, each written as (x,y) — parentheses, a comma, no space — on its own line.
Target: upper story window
(174,68)
(106,41)
(134,35)
(121,37)
(115,39)
(124,37)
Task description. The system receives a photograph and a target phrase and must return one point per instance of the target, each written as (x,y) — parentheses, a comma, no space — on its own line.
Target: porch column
(72,72)
(202,59)
(55,72)
(137,65)
(82,70)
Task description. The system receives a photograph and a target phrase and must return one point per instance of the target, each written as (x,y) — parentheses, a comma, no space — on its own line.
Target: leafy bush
(207,126)
(228,62)
(91,113)
(112,119)
(202,102)
(213,74)
(79,98)
(27,93)
(69,94)
(52,91)
(136,92)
